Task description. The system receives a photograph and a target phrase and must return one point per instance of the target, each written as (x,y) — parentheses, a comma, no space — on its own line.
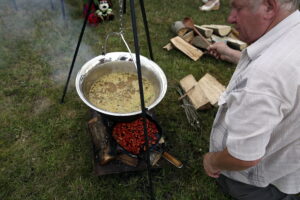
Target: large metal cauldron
(119,62)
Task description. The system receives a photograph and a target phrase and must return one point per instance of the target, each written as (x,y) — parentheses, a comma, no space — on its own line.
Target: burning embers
(130,135)
(121,146)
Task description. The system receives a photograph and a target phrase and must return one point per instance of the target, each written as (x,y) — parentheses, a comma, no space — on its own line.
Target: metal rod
(124,6)
(76,51)
(137,52)
(52,5)
(63,9)
(146,28)
(15,4)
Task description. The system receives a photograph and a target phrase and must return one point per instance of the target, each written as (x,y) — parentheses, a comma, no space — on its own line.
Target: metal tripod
(137,52)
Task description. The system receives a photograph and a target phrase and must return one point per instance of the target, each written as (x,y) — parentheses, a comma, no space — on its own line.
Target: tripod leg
(63,9)
(15,4)
(52,5)
(76,51)
(146,28)
(124,6)
(137,52)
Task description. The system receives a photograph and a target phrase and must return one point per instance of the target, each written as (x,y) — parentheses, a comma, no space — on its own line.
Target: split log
(187,48)
(101,139)
(206,32)
(194,92)
(187,37)
(221,30)
(199,42)
(233,43)
(212,88)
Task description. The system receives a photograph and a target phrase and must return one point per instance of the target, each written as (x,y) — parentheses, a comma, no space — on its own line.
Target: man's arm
(221,51)
(214,162)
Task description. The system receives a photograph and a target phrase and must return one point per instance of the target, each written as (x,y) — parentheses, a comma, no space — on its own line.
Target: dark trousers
(242,191)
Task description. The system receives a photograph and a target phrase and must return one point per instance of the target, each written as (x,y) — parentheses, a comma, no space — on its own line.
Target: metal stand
(137,52)
(76,50)
(15,4)
(63,9)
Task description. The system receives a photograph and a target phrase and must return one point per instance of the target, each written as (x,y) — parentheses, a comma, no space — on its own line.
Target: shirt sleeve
(250,119)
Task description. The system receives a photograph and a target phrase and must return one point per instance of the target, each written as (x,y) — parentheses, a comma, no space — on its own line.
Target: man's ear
(271,8)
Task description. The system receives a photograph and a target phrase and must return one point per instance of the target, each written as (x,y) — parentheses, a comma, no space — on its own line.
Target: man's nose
(232,17)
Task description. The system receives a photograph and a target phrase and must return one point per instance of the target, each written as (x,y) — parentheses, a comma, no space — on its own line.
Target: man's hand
(221,51)
(208,166)
(214,162)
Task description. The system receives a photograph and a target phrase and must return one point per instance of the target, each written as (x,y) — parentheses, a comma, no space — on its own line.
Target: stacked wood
(221,30)
(193,39)
(203,93)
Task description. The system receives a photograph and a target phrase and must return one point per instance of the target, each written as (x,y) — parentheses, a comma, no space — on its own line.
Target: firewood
(128,160)
(187,37)
(233,43)
(199,42)
(235,32)
(211,87)
(178,28)
(194,92)
(221,30)
(187,48)
(206,32)
(101,140)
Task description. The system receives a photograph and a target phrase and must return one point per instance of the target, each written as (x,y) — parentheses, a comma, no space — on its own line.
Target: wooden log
(128,160)
(206,32)
(187,37)
(101,139)
(221,30)
(187,48)
(232,43)
(194,92)
(178,28)
(212,88)
(235,43)
(199,42)
(235,33)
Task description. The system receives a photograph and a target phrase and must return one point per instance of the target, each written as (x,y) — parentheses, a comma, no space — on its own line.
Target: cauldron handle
(123,39)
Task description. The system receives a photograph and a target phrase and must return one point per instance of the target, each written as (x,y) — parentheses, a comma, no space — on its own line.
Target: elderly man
(255,139)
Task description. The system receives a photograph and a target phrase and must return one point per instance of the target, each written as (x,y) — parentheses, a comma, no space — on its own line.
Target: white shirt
(259,113)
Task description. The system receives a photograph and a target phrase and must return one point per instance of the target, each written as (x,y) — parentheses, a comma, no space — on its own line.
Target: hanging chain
(121,20)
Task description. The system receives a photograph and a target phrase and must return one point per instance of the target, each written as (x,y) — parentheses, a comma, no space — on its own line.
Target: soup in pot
(119,92)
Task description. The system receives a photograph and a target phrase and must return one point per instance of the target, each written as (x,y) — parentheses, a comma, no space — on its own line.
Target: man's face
(248,19)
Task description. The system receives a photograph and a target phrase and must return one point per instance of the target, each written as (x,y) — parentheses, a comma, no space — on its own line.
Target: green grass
(45,149)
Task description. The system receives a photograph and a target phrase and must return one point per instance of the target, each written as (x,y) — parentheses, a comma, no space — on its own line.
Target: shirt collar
(256,49)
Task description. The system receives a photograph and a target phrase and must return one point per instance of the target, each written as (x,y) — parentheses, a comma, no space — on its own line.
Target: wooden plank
(187,48)
(196,94)
(212,88)
(221,30)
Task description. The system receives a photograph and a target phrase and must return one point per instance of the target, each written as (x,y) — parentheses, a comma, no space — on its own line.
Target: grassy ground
(45,149)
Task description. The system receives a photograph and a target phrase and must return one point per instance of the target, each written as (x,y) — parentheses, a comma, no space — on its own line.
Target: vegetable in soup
(119,92)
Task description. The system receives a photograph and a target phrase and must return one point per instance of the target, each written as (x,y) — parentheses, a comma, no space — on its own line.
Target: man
(255,139)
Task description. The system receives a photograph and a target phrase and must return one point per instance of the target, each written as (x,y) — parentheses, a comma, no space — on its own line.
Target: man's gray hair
(290,5)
